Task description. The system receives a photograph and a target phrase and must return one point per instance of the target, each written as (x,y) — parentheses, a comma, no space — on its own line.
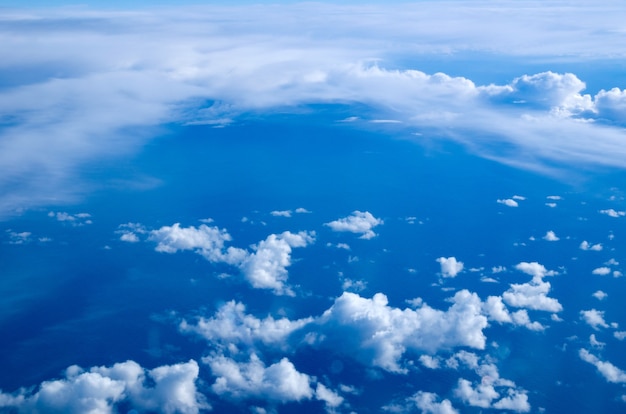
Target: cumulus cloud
(600,295)
(79,219)
(450,267)
(231,325)
(535,269)
(495,310)
(532,295)
(167,389)
(509,202)
(279,382)
(602,271)
(613,213)
(585,245)
(264,268)
(281,213)
(594,318)
(550,236)
(429,403)
(609,371)
(379,334)
(358,222)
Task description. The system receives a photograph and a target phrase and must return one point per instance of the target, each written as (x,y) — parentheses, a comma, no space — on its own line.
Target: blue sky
(288,207)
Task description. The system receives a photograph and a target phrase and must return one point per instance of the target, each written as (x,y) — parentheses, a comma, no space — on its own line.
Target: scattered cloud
(79,219)
(602,271)
(613,213)
(600,295)
(358,222)
(509,202)
(550,236)
(585,245)
(281,213)
(609,371)
(168,389)
(450,267)
(594,318)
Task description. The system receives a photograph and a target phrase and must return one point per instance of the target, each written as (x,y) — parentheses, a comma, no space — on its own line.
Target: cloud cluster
(450,267)
(167,389)
(379,334)
(358,222)
(264,268)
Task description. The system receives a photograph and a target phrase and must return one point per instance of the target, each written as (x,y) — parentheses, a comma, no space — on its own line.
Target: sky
(312,207)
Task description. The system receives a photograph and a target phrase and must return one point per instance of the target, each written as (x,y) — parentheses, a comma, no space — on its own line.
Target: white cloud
(509,202)
(231,325)
(281,213)
(429,403)
(593,341)
(551,205)
(79,219)
(450,267)
(167,389)
(585,245)
(594,318)
(536,270)
(600,295)
(609,371)
(532,295)
(302,210)
(554,197)
(602,271)
(378,334)
(129,237)
(266,268)
(495,310)
(619,335)
(613,213)
(550,236)
(358,222)
(330,397)
(280,382)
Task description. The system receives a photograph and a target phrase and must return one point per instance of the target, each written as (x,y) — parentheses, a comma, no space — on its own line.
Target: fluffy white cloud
(509,202)
(450,267)
(429,403)
(609,371)
(281,213)
(585,245)
(330,397)
(266,268)
(594,318)
(358,222)
(602,271)
(79,219)
(613,213)
(167,389)
(280,382)
(378,334)
(600,295)
(204,240)
(231,325)
(536,270)
(551,236)
(532,295)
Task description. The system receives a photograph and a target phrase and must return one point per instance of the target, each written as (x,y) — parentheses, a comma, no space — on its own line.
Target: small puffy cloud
(281,213)
(279,382)
(534,269)
(130,231)
(450,267)
(231,325)
(379,334)
(429,361)
(593,341)
(551,205)
(601,271)
(550,236)
(302,210)
(585,245)
(358,222)
(600,295)
(554,197)
(532,295)
(429,403)
(613,213)
(266,268)
(168,389)
(129,237)
(509,202)
(619,335)
(330,397)
(609,371)
(495,310)
(594,318)
(498,269)
(22,237)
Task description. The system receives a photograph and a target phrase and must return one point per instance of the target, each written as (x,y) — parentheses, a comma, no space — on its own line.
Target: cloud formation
(358,222)
(167,389)
(450,267)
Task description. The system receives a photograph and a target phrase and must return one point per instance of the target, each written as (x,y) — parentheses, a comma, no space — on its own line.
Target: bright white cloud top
(358,222)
